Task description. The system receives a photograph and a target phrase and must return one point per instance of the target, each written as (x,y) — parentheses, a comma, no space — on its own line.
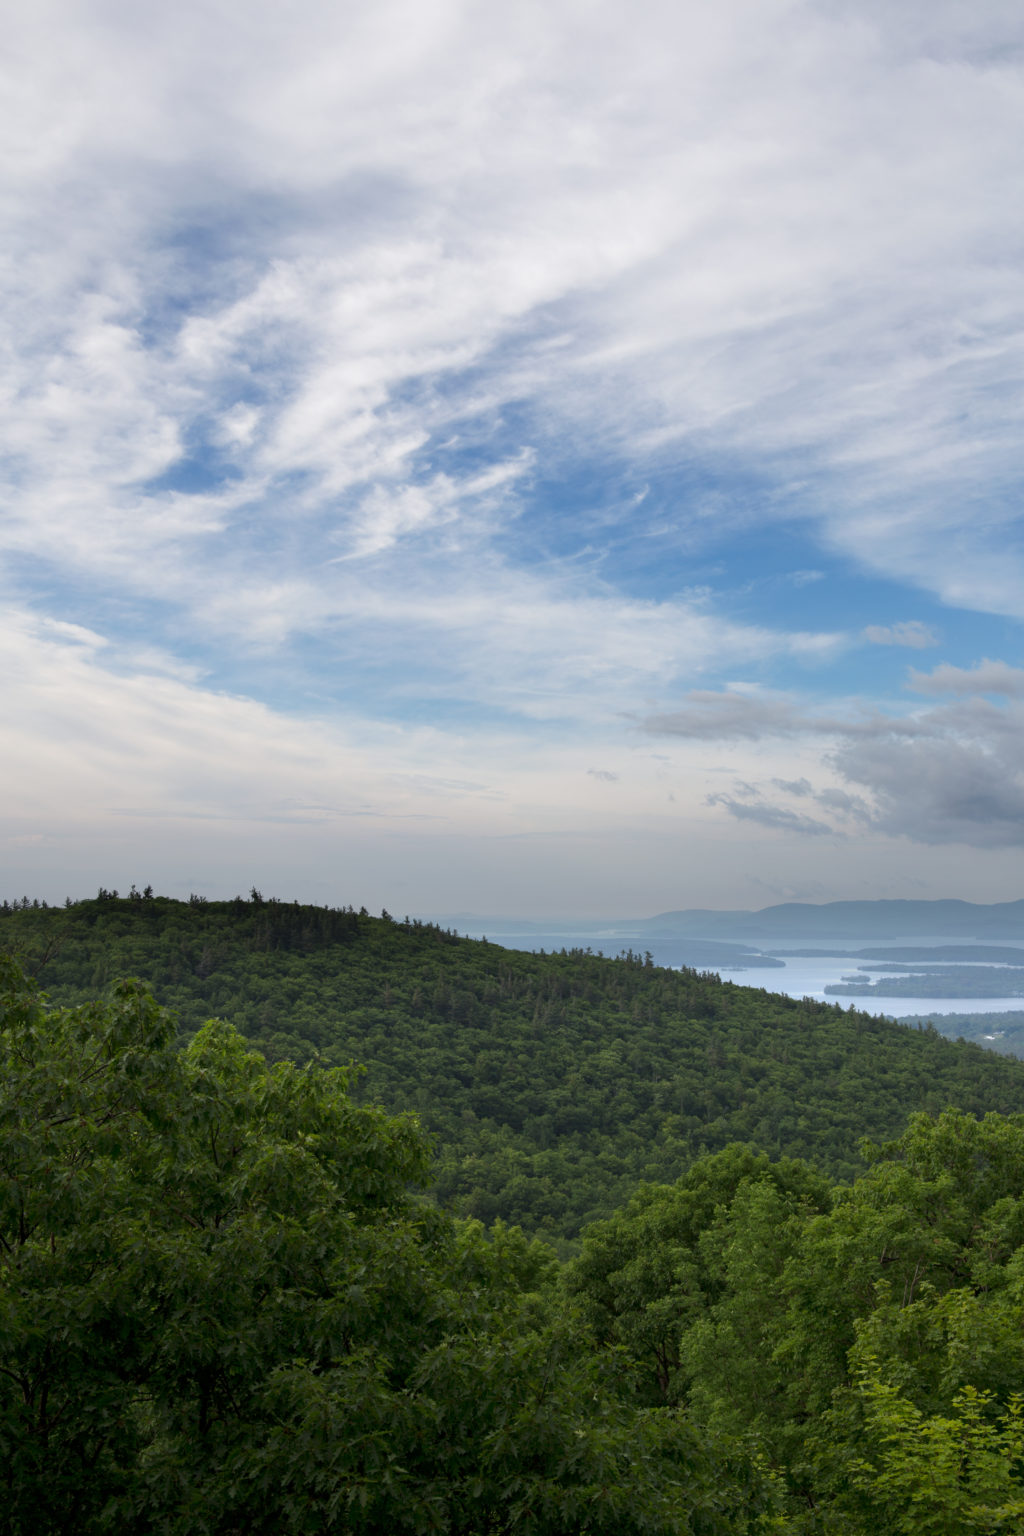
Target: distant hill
(552,1084)
(735,939)
(852,920)
(666,946)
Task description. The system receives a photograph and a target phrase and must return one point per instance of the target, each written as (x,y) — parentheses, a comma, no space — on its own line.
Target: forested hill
(552,1084)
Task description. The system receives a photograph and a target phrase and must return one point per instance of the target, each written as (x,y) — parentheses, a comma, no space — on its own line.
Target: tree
(864,1342)
(667,1269)
(223,1307)
(940,1474)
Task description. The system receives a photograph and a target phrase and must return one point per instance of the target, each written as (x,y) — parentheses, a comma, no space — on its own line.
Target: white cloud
(910,633)
(985,677)
(776,818)
(387,202)
(386,516)
(154,774)
(798,787)
(113,775)
(944,788)
(732,715)
(945,774)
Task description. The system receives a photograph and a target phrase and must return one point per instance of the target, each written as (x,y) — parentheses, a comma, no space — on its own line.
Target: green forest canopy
(225,1310)
(226,1307)
(550,1085)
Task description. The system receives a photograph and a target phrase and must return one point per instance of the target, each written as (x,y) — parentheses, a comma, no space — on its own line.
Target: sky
(545,459)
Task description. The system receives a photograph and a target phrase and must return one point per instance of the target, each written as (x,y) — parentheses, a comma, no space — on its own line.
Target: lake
(805,976)
(797,976)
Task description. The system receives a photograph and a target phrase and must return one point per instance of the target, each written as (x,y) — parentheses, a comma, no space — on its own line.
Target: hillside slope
(552,1084)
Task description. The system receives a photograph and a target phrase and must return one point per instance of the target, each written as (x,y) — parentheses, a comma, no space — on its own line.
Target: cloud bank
(946,774)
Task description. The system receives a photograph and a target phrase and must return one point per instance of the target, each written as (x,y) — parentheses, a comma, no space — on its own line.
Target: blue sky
(552,459)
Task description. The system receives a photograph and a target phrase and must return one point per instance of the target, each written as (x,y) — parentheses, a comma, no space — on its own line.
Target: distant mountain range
(850,920)
(735,940)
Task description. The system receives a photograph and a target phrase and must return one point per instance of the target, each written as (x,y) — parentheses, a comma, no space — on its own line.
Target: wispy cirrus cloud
(324,255)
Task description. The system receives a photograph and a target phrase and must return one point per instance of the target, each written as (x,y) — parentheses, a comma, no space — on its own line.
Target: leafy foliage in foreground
(224,1307)
(222,1310)
(864,1341)
(550,1084)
